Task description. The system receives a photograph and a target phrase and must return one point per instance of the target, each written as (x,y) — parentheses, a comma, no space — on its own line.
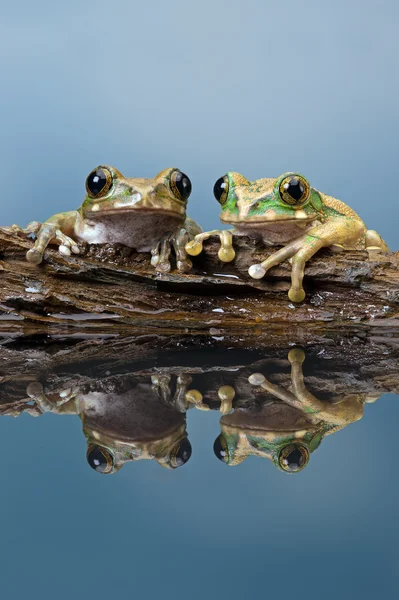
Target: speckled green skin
(258,209)
(296,419)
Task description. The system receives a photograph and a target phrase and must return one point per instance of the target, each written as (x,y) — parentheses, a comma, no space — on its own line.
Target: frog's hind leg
(374,242)
(47,234)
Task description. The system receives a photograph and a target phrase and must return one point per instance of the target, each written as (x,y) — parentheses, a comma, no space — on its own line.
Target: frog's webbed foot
(35,391)
(161,253)
(160,256)
(47,234)
(299,250)
(179,241)
(162,385)
(226,252)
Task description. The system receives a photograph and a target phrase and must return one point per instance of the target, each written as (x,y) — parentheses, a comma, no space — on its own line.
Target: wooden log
(115,288)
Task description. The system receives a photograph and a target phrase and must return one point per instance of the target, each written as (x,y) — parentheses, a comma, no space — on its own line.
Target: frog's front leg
(178,240)
(298,396)
(338,231)
(161,384)
(52,232)
(226,252)
(32,227)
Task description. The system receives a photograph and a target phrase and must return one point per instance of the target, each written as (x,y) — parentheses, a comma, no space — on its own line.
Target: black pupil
(183,454)
(183,184)
(294,460)
(96,181)
(219,188)
(295,188)
(97,460)
(220,450)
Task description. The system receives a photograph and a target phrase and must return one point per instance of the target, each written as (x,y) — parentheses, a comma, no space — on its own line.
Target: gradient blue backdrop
(260,87)
(256,86)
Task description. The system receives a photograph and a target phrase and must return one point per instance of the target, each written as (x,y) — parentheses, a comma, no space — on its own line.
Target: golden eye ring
(100,459)
(221,189)
(180,185)
(220,449)
(180,453)
(99,182)
(294,190)
(293,458)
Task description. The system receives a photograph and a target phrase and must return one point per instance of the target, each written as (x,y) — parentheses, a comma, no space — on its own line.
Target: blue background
(205,530)
(256,86)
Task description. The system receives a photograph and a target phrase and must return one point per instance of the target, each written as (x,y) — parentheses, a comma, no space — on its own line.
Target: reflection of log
(331,369)
(116,288)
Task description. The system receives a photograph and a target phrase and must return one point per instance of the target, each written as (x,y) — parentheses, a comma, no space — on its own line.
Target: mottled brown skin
(287,211)
(145,421)
(146,214)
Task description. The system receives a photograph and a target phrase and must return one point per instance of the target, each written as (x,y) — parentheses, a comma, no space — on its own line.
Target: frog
(289,424)
(148,215)
(285,211)
(124,420)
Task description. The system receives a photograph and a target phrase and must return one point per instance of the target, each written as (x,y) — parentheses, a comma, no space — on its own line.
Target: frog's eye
(100,459)
(220,448)
(180,453)
(294,190)
(98,182)
(221,189)
(180,185)
(293,458)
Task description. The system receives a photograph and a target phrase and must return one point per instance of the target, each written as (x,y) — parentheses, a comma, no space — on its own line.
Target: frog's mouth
(92,214)
(256,221)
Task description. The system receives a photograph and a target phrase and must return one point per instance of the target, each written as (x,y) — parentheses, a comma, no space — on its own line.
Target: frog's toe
(296,355)
(296,295)
(256,271)
(226,254)
(184,265)
(256,379)
(193,248)
(64,250)
(163,267)
(34,256)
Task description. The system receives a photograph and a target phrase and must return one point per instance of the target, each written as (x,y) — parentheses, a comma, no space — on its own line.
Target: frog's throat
(97,436)
(268,433)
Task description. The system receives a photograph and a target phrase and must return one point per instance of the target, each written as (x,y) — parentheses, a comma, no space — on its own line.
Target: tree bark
(115,289)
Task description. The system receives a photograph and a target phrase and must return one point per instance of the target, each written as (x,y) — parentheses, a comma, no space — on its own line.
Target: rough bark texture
(333,369)
(114,289)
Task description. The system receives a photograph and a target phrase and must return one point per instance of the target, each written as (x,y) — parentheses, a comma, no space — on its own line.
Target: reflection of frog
(145,214)
(133,420)
(286,432)
(288,211)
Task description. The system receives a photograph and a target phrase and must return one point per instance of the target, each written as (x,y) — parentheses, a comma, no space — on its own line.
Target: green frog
(145,214)
(286,430)
(286,211)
